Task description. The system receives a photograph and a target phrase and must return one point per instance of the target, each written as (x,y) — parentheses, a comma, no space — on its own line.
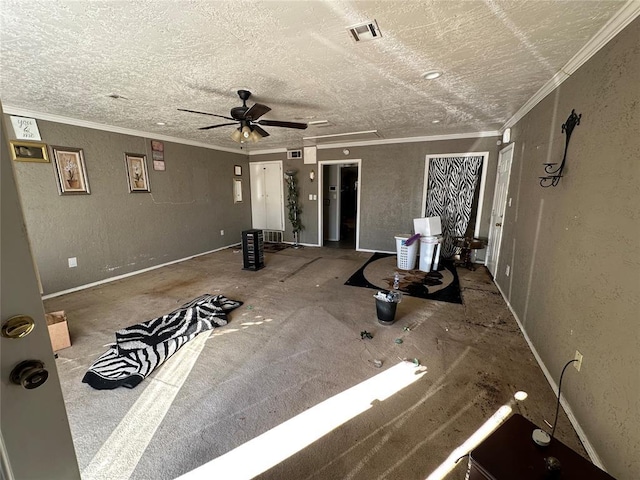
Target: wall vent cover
(364,32)
(294,154)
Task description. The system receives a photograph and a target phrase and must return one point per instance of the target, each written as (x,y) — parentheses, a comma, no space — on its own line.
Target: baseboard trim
(303,244)
(131,274)
(377,251)
(595,458)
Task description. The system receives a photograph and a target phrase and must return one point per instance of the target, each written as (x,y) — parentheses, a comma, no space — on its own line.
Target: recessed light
(435,121)
(431,74)
(160,123)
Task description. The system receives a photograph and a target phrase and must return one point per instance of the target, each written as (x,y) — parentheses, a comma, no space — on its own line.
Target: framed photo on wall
(28,151)
(137,176)
(71,172)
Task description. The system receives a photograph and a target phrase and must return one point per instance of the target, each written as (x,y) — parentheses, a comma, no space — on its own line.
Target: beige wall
(113,232)
(574,249)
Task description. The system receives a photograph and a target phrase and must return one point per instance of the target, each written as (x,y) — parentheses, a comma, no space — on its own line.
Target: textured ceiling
(66,57)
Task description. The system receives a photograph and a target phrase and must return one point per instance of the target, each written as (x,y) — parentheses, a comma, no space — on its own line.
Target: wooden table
(509,453)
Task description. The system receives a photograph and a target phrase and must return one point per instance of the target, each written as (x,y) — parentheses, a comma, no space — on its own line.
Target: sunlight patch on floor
(286,439)
(497,419)
(120,454)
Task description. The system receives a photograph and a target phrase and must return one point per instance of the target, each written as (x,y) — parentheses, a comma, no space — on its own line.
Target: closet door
(267,195)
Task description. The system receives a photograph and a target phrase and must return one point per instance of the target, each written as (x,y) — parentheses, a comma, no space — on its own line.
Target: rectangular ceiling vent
(363,32)
(294,154)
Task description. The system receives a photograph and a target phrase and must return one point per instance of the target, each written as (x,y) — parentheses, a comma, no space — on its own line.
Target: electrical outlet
(73,262)
(222,232)
(507,270)
(578,357)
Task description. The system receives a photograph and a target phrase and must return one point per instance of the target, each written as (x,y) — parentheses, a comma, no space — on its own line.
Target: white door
(267,195)
(499,206)
(35,441)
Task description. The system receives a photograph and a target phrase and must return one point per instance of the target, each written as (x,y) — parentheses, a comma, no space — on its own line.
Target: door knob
(30,374)
(498,224)
(18,326)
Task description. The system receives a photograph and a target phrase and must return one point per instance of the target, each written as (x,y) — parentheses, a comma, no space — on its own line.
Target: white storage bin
(406,254)
(430,252)
(427,226)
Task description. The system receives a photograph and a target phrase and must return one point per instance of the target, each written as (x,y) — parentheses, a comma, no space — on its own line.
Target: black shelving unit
(253,249)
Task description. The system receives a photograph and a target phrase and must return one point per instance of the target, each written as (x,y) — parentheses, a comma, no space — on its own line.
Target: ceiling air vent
(294,154)
(364,32)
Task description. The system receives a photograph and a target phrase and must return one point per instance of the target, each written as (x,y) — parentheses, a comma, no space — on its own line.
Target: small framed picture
(29,151)
(237,170)
(137,176)
(70,170)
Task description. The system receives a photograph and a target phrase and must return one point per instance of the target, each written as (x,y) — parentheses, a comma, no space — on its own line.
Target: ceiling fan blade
(205,113)
(260,130)
(216,126)
(256,111)
(278,123)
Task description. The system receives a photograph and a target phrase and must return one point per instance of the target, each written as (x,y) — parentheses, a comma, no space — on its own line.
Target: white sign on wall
(25,128)
(310,155)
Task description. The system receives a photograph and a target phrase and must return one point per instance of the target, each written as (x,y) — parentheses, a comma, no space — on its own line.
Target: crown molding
(23,112)
(623,17)
(389,141)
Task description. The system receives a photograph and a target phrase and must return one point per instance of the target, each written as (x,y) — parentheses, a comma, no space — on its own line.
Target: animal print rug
(141,348)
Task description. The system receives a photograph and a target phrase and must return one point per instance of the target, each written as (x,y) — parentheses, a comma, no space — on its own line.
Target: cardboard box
(58,330)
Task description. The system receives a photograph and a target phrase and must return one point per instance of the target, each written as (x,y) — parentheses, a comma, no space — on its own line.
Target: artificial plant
(293,205)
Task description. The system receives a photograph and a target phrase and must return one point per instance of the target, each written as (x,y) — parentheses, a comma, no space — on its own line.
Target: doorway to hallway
(339,203)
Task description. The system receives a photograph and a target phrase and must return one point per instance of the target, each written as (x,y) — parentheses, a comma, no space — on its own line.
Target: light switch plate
(73,262)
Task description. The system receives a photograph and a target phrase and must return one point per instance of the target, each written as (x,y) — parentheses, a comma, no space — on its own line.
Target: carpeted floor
(275,247)
(295,345)
(379,273)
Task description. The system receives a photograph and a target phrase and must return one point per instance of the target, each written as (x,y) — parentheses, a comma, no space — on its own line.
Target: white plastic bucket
(429,253)
(406,254)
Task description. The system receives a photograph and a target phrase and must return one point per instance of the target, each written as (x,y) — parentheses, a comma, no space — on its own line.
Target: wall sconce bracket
(555,173)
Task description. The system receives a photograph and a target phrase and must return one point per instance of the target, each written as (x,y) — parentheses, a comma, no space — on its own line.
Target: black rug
(378,273)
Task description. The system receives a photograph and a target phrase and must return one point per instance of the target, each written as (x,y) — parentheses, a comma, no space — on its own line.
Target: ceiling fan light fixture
(236,136)
(246,132)
(255,136)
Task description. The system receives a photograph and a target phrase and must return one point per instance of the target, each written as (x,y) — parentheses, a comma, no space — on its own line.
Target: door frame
(496,251)
(251,188)
(483,181)
(346,161)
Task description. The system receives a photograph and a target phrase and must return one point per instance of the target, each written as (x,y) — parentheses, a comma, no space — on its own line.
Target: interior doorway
(499,205)
(339,203)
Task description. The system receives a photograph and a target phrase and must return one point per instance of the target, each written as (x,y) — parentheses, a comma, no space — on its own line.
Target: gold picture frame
(137,175)
(71,172)
(29,151)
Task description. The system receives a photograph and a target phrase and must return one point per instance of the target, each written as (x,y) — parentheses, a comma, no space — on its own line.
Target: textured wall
(392,186)
(112,231)
(393,183)
(574,250)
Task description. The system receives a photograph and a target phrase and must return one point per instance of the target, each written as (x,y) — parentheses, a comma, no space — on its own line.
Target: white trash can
(430,252)
(406,254)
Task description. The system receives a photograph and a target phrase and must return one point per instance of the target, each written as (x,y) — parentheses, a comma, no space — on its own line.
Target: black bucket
(386,311)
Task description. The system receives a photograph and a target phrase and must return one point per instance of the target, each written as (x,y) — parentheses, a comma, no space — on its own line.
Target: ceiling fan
(249,129)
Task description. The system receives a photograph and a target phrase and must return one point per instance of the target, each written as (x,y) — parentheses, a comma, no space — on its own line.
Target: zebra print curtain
(450,190)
